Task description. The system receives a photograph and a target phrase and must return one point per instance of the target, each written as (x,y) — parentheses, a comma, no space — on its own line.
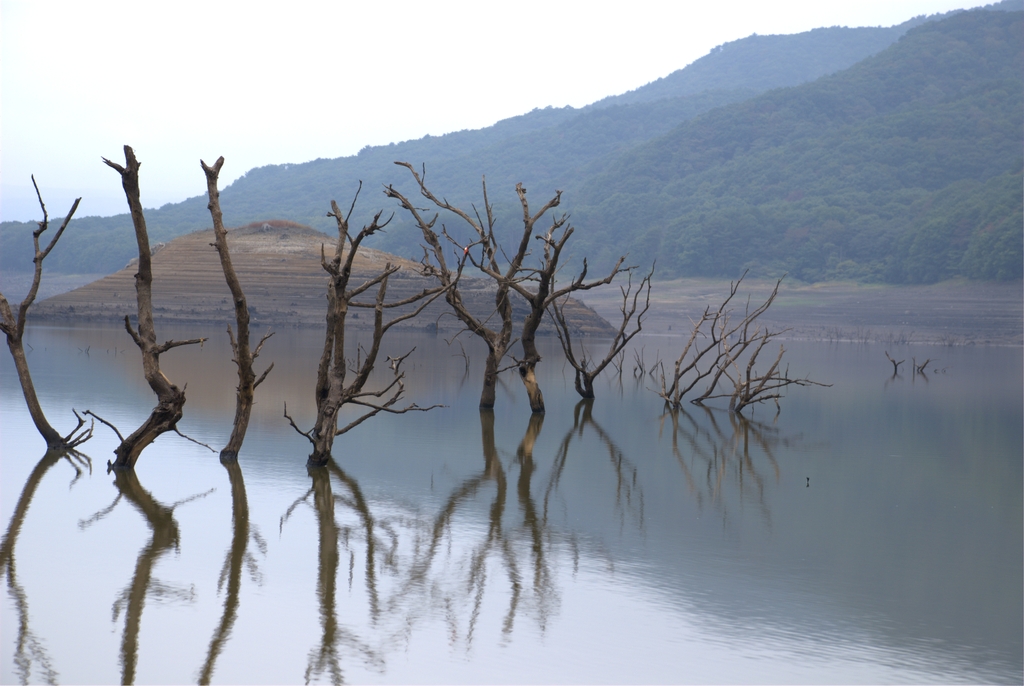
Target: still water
(871,532)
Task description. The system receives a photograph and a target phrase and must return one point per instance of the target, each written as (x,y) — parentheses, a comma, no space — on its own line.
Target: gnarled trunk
(585,385)
(170,398)
(164,417)
(527,372)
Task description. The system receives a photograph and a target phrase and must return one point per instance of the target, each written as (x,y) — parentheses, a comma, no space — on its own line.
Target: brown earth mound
(278,264)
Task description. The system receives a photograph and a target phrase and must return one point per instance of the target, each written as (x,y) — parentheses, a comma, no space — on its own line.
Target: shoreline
(948,313)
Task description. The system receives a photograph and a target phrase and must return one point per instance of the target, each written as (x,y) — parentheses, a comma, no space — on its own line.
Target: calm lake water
(871,532)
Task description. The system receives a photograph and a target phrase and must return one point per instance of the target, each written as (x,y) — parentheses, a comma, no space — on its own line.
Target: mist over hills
(905,167)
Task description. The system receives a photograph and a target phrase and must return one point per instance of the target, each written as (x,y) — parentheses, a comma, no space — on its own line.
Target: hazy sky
(267,83)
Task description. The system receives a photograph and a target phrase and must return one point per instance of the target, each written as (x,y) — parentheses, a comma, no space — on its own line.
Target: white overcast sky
(274,82)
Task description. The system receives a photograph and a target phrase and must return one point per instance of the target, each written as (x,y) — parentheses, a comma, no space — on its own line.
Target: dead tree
(542,296)
(895,364)
(583,364)
(750,387)
(749,334)
(14,328)
(705,345)
(498,339)
(244,355)
(170,398)
(723,348)
(332,392)
(516,276)
(542,278)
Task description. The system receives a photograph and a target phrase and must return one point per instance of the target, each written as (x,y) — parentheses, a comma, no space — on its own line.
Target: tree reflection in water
(238,556)
(29,648)
(420,568)
(165,537)
(415,569)
(326,659)
(629,497)
(462,575)
(717,455)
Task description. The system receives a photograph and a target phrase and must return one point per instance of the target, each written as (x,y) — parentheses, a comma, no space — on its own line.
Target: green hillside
(904,168)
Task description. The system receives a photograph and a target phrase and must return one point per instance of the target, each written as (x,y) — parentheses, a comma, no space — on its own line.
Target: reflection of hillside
(109,375)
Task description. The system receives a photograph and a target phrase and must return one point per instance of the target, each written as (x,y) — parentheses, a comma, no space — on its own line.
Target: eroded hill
(278,264)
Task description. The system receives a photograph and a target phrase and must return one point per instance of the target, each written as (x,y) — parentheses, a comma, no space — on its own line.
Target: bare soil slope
(278,264)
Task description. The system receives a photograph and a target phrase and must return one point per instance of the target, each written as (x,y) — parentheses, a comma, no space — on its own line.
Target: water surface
(870,532)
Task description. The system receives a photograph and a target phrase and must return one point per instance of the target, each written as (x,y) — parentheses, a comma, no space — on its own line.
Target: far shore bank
(947,313)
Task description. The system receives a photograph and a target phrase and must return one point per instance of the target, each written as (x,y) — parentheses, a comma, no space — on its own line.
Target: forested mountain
(761,63)
(901,168)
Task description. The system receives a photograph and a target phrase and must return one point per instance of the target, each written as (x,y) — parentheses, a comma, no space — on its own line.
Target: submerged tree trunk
(54,441)
(585,385)
(487,395)
(583,365)
(545,295)
(435,263)
(332,392)
(14,329)
(528,369)
(171,399)
(244,355)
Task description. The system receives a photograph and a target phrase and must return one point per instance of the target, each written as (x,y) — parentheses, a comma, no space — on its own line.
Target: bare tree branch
(333,390)
(104,421)
(723,342)
(295,426)
(498,340)
(189,438)
(13,328)
(586,370)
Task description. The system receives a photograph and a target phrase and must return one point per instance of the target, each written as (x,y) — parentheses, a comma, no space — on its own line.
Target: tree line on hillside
(855,176)
(721,350)
(667,169)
